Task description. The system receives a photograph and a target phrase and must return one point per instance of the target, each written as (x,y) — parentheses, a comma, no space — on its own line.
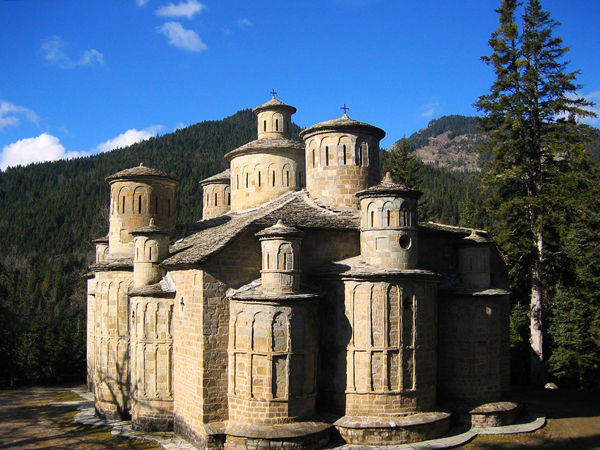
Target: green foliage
(537,173)
(402,164)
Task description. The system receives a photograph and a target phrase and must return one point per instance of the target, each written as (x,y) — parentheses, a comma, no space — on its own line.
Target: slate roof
(388,187)
(359,268)
(198,242)
(140,171)
(274,104)
(265,145)
(223,177)
(343,123)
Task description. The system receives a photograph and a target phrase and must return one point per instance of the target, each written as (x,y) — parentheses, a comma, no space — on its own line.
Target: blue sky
(79,77)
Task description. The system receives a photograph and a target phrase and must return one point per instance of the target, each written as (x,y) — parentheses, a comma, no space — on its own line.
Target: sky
(79,77)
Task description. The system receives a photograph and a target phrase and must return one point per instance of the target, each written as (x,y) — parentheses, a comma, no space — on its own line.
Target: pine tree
(535,141)
(402,165)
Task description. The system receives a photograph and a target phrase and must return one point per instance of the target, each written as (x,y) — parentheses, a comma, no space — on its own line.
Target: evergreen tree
(536,145)
(402,164)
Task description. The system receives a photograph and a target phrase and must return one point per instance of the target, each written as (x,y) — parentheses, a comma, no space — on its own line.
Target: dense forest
(50,212)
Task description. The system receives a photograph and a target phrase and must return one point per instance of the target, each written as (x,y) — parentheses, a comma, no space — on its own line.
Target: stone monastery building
(308,304)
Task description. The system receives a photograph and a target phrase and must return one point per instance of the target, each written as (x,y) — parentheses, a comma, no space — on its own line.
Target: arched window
(344,148)
(287,178)
(313,157)
(259,183)
(247,180)
(326,155)
(139,204)
(264,125)
(273,178)
(276,124)
(123,204)
(216,197)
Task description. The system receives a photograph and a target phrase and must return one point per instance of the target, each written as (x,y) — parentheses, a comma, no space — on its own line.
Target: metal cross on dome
(273,93)
(345,108)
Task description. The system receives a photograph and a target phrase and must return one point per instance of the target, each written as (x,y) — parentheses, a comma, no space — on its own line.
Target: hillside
(450,142)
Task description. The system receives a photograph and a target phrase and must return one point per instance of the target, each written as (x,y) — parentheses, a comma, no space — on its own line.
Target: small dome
(151,229)
(275,105)
(220,178)
(344,123)
(279,229)
(389,187)
(140,171)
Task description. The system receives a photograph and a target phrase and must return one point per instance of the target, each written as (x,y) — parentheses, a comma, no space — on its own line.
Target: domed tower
(137,195)
(273,352)
(342,158)
(389,231)
(216,195)
(269,166)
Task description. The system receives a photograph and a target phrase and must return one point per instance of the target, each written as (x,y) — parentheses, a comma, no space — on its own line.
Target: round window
(405,241)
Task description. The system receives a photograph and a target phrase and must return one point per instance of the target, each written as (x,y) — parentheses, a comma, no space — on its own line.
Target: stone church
(308,304)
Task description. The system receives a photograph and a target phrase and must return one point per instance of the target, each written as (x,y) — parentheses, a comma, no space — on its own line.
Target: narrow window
(123,206)
(228,199)
(344,155)
(216,197)
(237,180)
(326,156)
(313,157)
(264,125)
(259,179)
(273,178)
(207,200)
(287,178)
(150,253)
(276,124)
(140,204)
(389,218)
(372,218)
(156,205)
(247,180)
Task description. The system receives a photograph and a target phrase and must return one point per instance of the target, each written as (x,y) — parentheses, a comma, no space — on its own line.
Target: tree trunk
(536,315)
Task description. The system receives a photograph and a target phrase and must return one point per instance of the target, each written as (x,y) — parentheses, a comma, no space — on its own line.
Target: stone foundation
(497,414)
(393,430)
(293,436)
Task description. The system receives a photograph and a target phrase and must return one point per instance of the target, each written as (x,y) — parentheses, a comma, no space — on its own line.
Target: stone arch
(361,153)
(312,154)
(327,152)
(122,202)
(260,178)
(389,215)
(235,179)
(140,200)
(373,213)
(260,332)
(405,215)
(245,177)
(272,171)
(285,257)
(287,176)
(344,151)
(278,122)
(281,332)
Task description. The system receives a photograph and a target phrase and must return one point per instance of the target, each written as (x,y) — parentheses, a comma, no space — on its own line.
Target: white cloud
(9,113)
(45,147)
(430,108)
(127,138)
(184,9)
(182,38)
(593,97)
(244,23)
(56,50)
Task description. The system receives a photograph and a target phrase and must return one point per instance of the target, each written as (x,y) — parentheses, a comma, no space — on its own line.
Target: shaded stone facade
(308,299)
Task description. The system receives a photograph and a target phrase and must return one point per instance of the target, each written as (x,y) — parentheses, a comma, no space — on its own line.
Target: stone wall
(111,342)
(257,178)
(471,348)
(371,364)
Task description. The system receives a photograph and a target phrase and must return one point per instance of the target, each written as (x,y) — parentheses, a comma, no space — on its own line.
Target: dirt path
(35,418)
(31,419)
